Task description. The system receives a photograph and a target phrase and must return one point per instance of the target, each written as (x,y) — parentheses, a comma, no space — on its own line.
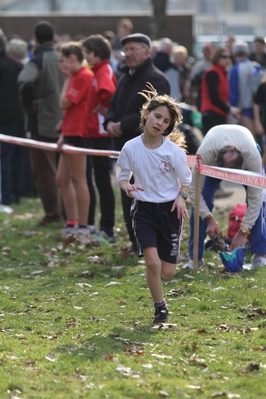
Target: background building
(243,17)
(189,22)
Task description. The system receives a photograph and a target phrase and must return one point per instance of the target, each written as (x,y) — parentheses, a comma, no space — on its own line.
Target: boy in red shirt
(97,52)
(71,173)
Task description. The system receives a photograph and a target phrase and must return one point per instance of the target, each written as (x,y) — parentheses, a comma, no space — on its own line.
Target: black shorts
(156,226)
(75,141)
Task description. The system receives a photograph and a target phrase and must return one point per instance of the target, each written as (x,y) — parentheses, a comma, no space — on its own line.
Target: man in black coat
(258,54)
(11,124)
(123,117)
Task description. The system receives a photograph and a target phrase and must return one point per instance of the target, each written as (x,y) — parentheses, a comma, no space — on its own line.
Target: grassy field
(76,321)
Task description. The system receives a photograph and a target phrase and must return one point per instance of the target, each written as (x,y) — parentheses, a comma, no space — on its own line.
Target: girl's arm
(64,102)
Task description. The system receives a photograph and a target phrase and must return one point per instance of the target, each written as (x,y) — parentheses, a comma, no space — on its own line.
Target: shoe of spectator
(47,219)
(92,228)
(258,260)
(82,232)
(103,237)
(189,264)
(68,231)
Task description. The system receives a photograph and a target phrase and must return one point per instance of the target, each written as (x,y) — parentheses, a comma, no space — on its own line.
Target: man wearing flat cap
(258,54)
(123,117)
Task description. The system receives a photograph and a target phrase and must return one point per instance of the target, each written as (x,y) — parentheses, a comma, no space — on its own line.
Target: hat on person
(259,38)
(240,47)
(136,37)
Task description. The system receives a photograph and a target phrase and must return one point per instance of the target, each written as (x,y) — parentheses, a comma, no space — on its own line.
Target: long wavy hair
(155,100)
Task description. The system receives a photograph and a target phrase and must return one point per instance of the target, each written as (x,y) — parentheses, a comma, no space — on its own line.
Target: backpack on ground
(233,261)
(235,218)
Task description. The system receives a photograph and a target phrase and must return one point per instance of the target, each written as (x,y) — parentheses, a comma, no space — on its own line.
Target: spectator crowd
(85,92)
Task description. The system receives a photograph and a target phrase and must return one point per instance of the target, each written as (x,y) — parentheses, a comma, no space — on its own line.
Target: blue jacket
(241,91)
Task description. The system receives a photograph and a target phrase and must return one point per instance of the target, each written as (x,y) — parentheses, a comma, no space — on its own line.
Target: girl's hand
(100,109)
(58,127)
(60,142)
(180,205)
(130,188)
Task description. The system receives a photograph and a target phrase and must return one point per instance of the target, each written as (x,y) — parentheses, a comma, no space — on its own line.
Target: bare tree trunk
(159,19)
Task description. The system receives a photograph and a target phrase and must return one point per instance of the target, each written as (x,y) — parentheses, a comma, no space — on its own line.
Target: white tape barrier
(53,147)
(234,175)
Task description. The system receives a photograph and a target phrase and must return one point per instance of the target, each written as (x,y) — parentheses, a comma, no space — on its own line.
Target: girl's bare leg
(66,187)
(77,169)
(155,268)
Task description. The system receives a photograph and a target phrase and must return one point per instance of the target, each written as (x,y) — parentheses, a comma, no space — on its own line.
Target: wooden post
(196,215)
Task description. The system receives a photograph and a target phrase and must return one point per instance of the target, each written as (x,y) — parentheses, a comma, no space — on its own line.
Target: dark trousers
(89,173)
(12,164)
(101,166)
(44,166)
(126,205)
(211,119)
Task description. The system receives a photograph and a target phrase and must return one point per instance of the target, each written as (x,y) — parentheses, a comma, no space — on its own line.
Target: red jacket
(102,90)
(77,92)
(222,92)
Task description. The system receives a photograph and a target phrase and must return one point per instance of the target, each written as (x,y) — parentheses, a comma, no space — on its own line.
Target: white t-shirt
(159,171)
(217,138)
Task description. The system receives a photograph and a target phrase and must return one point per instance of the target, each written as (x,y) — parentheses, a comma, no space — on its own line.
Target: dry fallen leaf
(252,367)
(84,285)
(29,362)
(161,356)
(165,326)
(202,331)
(127,371)
(50,357)
(148,366)
(259,348)
(163,393)
(197,387)
(87,274)
(219,395)
(109,357)
(112,283)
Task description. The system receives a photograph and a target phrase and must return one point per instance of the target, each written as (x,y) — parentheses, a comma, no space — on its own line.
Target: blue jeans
(258,231)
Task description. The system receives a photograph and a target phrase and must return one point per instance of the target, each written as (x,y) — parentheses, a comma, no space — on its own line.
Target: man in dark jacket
(123,117)
(40,84)
(258,54)
(162,61)
(11,124)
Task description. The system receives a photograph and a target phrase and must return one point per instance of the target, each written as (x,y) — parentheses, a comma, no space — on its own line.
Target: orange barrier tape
(236,175)
(191,160)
